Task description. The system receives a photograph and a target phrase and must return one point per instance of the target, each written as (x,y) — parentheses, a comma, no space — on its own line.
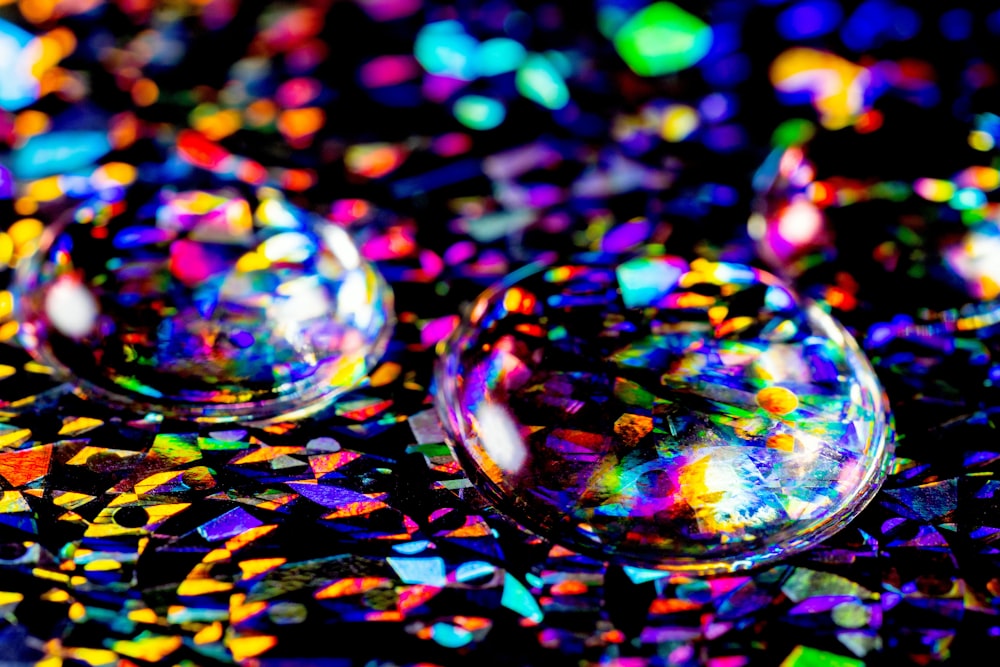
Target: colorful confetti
(848,147)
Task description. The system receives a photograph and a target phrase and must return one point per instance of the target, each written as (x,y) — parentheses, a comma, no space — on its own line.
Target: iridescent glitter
(696,417)
(210,305)
(355,538)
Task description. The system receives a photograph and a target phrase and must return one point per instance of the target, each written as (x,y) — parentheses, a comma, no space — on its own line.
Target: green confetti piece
(217,445)
(479,113)
(539,81)
(431,450)
(793,132)
(662,39)
(805,583)
(803,656)
(519,599)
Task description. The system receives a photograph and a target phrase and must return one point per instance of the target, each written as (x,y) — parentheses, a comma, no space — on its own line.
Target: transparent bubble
(694,417)
(908,212)
(213,306)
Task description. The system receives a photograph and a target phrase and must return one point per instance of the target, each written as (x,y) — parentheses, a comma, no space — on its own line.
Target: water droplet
(664,414)
(917,219)
(213,306)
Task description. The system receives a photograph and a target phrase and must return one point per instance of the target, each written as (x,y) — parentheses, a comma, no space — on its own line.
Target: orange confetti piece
(777,400)
(351,586)
(22,467)
(782,441)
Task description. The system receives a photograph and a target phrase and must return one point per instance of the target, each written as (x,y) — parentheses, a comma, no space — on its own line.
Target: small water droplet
(213,306)
(664,414)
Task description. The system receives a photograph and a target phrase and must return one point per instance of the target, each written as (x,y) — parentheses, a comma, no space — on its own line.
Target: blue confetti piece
(228,525)
(59,152)
(519,599)
(425,571)
(18,87)
(6,183)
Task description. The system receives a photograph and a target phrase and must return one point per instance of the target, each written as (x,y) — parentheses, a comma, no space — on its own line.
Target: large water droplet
(206,305)
(696,417)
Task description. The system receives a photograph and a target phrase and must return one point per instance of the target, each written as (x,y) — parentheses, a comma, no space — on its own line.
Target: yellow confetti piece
(49,575)
(115,173)
(717,315)
(13,501)
(679,121)
(77,612)
(160,513)
(732,326)
(209,634)
(784,442)
(8,597)
(124,499)
(14,438)
(77,425)
(106,525)
(193,587)
(981,141)
(55,595)
(84,455)
(385,374)
(257,566)
(252,261)
(150,647)
(219,125)
(143,616)
(267,454)
(277,501)
(35,367)
(160,480)
(42,190)
(95,657)
(8,330)
(934,189)
(6,249)
(217,556)
(248,536)
(102,565)
(241,612)
(249,647)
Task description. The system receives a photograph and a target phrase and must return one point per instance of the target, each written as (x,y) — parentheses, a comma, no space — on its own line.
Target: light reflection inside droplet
(692,417)
(194,302)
